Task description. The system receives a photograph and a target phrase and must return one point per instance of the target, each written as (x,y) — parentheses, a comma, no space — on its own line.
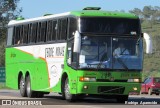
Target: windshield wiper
(122,63)
(137,43)
(102,60)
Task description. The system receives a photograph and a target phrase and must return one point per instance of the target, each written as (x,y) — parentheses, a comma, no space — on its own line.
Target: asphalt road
(54,100)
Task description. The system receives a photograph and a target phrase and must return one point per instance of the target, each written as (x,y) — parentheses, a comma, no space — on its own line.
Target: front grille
(111,89)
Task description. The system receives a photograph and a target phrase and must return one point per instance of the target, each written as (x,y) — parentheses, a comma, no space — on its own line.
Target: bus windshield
(107,25)
(103,52)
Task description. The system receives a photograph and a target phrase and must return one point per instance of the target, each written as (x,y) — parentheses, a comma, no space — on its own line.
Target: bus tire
(68,96)
(122,99)
(30,92)
(22,87)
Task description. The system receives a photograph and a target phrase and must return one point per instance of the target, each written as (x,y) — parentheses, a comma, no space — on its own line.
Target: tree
(147,11)
(150,22)
(8,11)
(137,12)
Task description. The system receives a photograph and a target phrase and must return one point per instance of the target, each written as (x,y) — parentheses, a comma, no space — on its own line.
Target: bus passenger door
(72,56)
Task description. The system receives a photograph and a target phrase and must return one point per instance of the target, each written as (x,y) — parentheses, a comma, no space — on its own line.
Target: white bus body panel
(53,55)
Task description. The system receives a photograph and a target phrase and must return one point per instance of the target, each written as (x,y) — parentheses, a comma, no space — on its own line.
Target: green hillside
(150,23)
(151,66)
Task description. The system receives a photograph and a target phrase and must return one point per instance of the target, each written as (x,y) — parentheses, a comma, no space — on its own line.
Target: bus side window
(34,32)
(14,35)
(25,36)
(30,33)
(62,29)
(72,27)
(69,50)
(38,32)
(71,57)
(17,35)
(58,29)
(41,31)
(54,30)
(21,34)
(49,31)
(10,35)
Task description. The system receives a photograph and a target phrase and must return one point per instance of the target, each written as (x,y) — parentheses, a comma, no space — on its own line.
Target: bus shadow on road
(102,101)
(87,100)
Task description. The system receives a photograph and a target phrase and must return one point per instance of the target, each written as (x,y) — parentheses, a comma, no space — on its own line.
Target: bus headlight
(89,79)
(133,80)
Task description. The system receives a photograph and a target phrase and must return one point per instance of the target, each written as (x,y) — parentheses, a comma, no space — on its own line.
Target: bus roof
(98,13)
(83,13)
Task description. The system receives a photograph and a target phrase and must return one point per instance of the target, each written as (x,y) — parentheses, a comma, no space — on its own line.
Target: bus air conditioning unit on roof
(92,8)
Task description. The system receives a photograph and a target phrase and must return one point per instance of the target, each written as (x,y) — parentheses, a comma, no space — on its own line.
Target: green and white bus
(72,54)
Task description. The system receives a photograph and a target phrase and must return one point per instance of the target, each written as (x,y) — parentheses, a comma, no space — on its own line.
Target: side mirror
(148,41)
(77,42)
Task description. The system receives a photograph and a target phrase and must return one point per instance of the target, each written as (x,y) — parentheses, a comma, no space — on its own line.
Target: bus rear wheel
(22,86)
(30,92)
(68,96)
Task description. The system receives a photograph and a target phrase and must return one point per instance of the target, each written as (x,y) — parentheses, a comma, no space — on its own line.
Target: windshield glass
(127,53)
(100,52)
(110,26)
(93,51)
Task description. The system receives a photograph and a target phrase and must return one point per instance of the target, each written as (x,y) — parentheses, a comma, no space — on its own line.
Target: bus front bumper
(108,88)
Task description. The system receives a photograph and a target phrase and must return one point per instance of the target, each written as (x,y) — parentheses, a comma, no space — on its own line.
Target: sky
(36,8)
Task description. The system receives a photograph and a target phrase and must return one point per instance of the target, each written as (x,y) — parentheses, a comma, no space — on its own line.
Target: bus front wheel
(22,86)
(30,92)
(68,96)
